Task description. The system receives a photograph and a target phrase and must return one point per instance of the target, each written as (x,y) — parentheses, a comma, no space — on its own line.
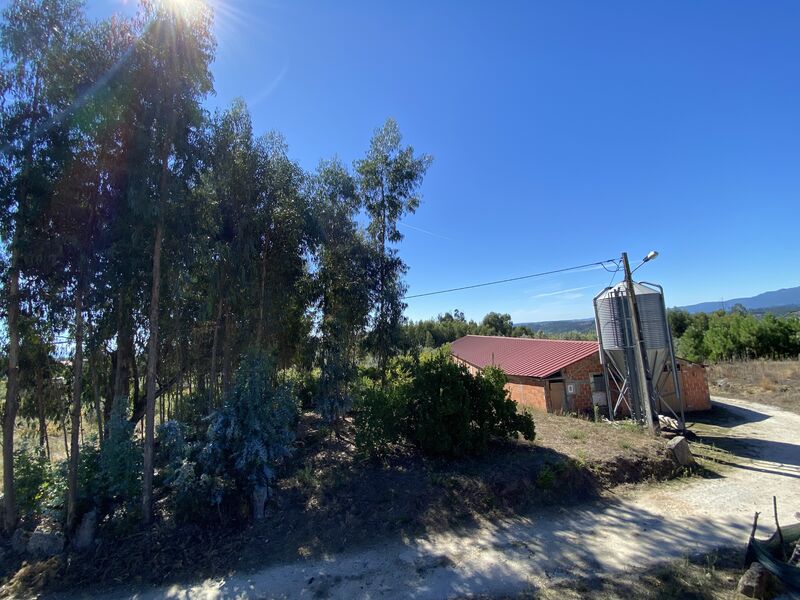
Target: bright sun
(185,7)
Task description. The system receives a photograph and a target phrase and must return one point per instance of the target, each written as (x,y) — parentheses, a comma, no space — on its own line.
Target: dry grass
(772,382)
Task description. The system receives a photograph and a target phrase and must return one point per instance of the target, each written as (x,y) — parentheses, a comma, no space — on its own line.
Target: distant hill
(776,301)
(558,327)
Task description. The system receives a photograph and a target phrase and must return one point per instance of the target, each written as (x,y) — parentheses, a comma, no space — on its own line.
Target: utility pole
(639,353)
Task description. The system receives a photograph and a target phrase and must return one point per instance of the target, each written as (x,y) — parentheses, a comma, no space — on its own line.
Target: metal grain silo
(611,308)
(615,334)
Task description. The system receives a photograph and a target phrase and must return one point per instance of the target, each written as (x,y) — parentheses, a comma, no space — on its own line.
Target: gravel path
(629,531)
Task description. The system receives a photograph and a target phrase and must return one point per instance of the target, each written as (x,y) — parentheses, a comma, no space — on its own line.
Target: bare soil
(711,576)
(329,501)
(772,382)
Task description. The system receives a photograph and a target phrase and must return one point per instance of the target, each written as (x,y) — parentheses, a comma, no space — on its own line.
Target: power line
(601,263)
(614,274)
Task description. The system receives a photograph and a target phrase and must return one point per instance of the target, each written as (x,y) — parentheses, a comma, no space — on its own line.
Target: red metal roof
(522,357)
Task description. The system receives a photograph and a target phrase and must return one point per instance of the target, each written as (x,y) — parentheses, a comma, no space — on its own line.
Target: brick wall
(534,393)
(528,392)
(579,375)
(694,385)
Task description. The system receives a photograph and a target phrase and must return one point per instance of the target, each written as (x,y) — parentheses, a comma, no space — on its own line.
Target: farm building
(558,375)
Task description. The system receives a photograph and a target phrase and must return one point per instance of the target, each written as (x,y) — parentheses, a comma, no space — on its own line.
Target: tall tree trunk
(212,390)
(125,357)
(66,439)
(226,352)
(152,350)
(12,387)
(152,360)
(77,384)
(40,409)
(96,395)
(262,299)
(138,403)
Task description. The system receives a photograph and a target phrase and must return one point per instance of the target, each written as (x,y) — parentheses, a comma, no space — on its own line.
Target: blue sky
(563,133)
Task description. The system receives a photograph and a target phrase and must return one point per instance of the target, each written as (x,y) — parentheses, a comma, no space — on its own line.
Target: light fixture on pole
(652,255)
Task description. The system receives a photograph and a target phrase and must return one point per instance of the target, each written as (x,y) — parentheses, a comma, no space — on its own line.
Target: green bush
(41,486)
(304,384)
(440,407)
(90,488)
(455,413)
(31,470)
(253,430)
(195,495)
(379,419)
(120,461)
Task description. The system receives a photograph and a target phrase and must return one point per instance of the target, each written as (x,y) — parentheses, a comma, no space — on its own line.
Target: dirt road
(629,531)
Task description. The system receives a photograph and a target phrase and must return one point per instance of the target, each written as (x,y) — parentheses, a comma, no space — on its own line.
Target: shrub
(30,473)
(120,459)
(455,413)
(253,430)
(304,384)
(379,419)
(194,493)
(41,487)
(440,407)
(90,489)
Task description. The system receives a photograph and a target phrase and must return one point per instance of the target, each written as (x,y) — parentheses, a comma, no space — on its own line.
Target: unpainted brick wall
(580,374)
(694,385)
(528,392)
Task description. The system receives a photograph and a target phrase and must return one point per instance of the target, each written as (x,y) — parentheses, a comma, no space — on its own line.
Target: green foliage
(110,160)
(448,327)
(31,468)
(734,335)
(454,413)
(90,489)
(440,407)
(120,459)
(254,429)
(388,180)
(497,324)
(303,383)
(379,419)
(41,486)
(195,496)
(546,478)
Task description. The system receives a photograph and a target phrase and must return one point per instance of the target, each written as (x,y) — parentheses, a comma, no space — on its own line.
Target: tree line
(448,327)
(734,335)
(151,250)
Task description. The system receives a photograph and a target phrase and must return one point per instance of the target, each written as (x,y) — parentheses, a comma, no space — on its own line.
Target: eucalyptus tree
(35,40)
(231,186)
(389,177)
(343,272)
(171,77)
(288,238)
(83,199)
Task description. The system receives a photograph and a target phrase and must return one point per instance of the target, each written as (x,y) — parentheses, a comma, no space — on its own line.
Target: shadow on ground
(523,556)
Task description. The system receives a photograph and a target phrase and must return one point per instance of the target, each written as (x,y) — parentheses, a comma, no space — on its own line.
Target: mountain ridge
(779,302)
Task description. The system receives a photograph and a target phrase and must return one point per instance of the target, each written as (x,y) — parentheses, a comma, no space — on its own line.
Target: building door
(557,397)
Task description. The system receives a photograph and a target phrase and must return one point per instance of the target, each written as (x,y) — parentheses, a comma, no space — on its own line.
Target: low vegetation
(772,382)
(439,407)
(326,497)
